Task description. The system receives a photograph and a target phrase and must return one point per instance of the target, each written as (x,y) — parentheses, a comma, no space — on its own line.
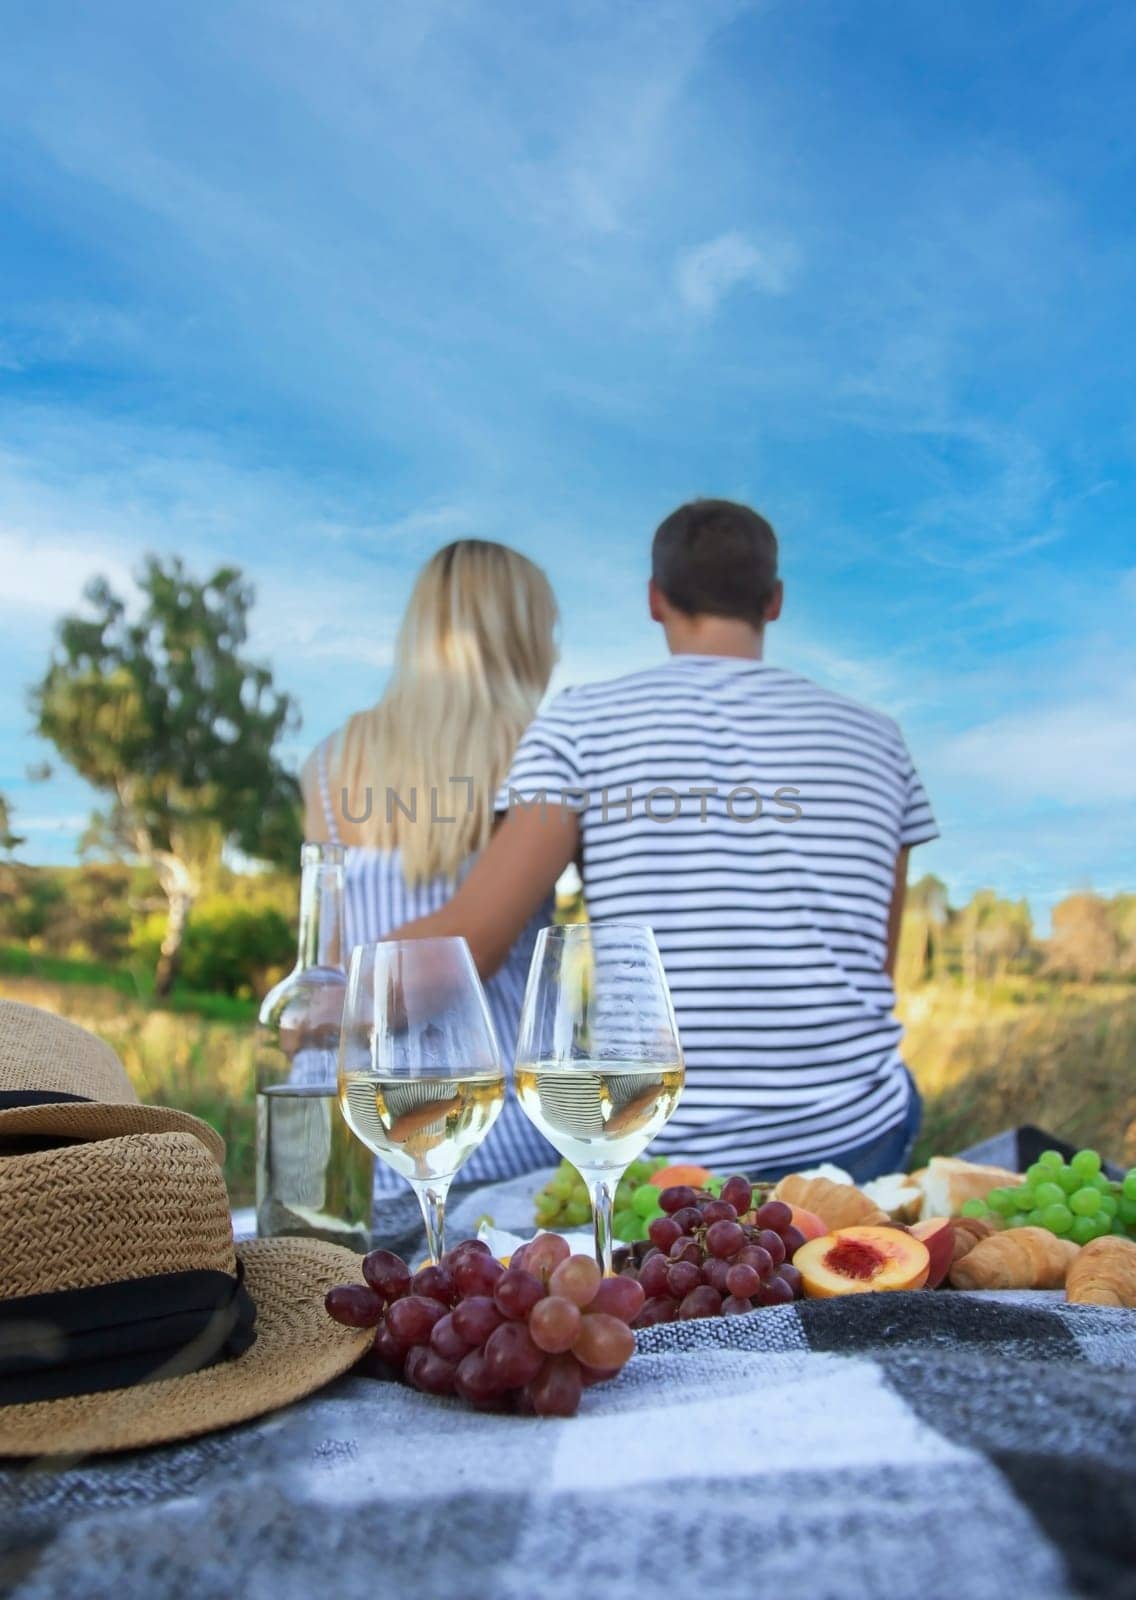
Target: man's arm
(508,882)
(895,914)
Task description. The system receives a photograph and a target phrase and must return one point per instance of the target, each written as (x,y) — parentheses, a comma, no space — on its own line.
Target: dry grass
(1062,1056)
(173,1059)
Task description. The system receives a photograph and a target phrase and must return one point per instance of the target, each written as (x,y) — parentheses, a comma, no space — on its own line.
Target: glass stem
(432,1202)
(603,1209)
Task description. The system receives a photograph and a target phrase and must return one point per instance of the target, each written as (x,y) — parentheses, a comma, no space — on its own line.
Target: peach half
(862,1261)
(938,1234)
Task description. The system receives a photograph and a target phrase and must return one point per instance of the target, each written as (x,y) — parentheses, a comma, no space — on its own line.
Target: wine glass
(420,1075)
(599,1064)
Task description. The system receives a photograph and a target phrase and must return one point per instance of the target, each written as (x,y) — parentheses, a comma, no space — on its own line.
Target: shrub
(229,947)
(94,918)
(78,911)
(31,903)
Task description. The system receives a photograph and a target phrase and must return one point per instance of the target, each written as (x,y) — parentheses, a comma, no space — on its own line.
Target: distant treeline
(1091,937)
(241,935)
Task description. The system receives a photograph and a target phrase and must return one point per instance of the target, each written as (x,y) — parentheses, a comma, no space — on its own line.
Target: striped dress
(377,900)
(771,915)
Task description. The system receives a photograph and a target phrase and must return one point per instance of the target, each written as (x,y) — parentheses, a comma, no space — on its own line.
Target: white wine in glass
(599,1113)
(599,1065)
(420,1075)
(424,1128)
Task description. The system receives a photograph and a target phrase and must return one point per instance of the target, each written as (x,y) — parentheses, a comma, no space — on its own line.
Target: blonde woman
(409,785)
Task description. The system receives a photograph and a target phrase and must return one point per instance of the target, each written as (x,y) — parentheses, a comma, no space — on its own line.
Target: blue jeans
(890,1152)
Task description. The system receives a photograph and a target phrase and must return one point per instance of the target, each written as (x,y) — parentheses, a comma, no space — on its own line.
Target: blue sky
(318,288)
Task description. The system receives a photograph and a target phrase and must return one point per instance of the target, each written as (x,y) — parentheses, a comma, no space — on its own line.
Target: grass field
(1058,1055)
(174,1057)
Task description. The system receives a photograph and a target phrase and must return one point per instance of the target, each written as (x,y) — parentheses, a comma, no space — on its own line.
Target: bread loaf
(948,1183)
(897,1195)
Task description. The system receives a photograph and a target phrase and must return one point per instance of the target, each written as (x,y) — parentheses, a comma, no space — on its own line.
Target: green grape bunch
(1075,1199)
(564,1202)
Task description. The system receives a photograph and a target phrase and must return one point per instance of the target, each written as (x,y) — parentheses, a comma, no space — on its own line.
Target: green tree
(162,713)
(9,841)
(926,915)
(995,934)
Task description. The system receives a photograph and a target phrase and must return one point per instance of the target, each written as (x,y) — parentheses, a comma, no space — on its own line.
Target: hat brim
(102,1119)
(298,1349)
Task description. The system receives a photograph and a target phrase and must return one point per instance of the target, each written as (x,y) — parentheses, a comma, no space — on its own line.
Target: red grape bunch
(705,1261)
(527,1337)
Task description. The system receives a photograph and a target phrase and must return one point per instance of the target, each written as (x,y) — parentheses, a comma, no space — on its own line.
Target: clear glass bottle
(313,1177)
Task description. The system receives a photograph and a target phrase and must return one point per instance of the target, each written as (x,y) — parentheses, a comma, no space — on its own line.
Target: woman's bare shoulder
(326,751)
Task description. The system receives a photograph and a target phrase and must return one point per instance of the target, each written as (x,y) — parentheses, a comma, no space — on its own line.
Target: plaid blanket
(922,1445)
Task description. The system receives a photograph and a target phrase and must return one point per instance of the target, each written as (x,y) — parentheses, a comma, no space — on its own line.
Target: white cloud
(1077,753)
(43,575)
(66,822)
(83,497)
(869,679)
(1004,511)
(708,273)
(1066,738)
(612,86)
(430,526)
(296,614)
(314,618)
(637,650)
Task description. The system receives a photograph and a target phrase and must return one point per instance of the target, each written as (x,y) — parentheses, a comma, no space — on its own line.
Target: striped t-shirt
(773,926)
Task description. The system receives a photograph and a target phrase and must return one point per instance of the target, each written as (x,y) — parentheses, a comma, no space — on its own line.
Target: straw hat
(127,1315)
(57,1081)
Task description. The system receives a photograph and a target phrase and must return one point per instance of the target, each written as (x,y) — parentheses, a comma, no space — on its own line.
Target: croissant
(1104,1274)
(1020,1258)
(967,1232)
(838,1205)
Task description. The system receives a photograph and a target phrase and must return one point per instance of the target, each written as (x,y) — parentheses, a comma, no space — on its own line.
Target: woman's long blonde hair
(474,655)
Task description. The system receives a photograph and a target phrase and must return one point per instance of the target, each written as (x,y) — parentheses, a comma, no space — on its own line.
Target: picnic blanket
(923,1445)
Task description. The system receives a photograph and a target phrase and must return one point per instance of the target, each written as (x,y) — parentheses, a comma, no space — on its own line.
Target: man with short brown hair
(760,825)
(715,558)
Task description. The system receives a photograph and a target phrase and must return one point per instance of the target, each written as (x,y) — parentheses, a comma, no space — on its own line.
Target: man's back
(771,914)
